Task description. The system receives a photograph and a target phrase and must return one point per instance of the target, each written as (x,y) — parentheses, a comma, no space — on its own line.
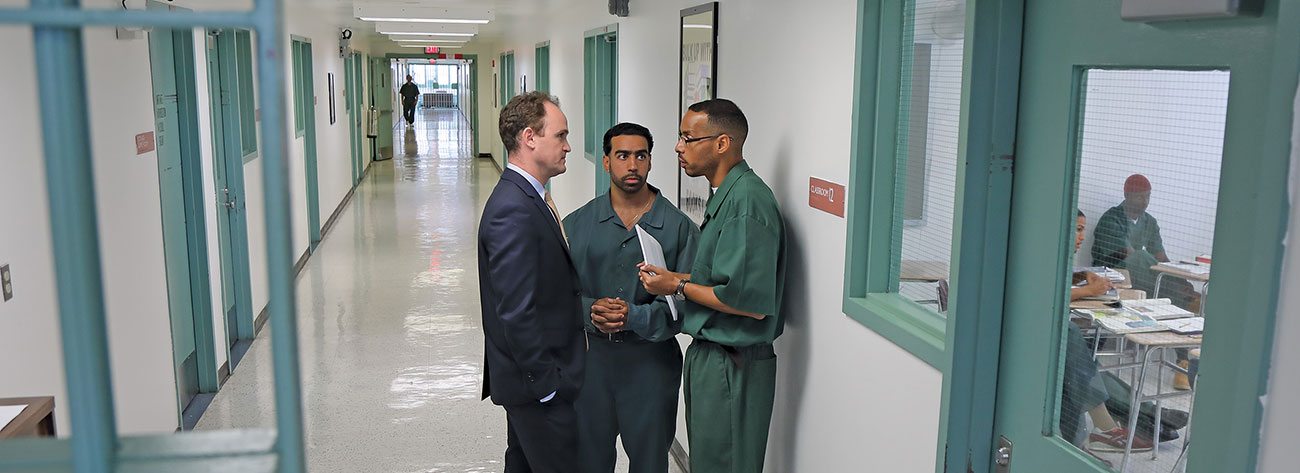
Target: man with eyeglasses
(733,296)
(634,364)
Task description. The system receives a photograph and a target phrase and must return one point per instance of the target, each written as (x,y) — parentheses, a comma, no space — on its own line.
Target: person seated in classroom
(1127,237)
(1083,390)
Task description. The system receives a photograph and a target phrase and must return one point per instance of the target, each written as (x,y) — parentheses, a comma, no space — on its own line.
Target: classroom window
(901,237)
(1150,149)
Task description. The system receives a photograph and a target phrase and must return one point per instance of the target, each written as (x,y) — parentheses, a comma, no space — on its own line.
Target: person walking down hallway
(534,349)
(634,364)
(410,96)
(733,296)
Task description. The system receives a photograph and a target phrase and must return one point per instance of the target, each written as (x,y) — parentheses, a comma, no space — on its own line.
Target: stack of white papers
(1185,326)
(1122,320)
(9,413)
(654,255)
(1159,309)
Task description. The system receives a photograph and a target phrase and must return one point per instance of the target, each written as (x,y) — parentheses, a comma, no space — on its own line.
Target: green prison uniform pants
(729,395)
(629,389)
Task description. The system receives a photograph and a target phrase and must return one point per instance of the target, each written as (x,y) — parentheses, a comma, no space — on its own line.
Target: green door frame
(542,62)
(600,95)
(966,346)
(472,61)
(304,85)
(228,173)
(1264,59)
(172,60)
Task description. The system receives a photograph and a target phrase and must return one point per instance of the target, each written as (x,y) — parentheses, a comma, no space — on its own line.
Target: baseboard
(223,374)
(302,262)
(260,320)
(495,163)
(334,217)
(678,453)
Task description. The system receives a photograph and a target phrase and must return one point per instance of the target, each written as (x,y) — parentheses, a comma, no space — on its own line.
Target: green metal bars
(94,445)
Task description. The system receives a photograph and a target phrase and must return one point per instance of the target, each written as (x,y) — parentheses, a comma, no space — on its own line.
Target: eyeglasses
(684,139)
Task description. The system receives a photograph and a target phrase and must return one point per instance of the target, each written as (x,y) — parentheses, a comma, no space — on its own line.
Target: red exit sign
(431,50)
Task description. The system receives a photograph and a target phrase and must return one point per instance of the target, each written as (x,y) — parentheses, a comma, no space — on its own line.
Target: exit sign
(431,50)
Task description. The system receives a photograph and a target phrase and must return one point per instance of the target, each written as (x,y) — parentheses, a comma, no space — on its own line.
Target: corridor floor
(389,324)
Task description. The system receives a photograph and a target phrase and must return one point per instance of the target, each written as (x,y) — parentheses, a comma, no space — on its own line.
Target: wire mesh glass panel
(1150,149)
(934,32)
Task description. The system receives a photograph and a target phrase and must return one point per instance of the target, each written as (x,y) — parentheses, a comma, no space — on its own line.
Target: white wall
(845,395)
(1281,412)
(130,228)
(1137,122)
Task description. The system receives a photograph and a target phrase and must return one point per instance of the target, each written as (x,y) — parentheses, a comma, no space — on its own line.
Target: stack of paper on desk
(1122,320)
(9,413)
(1159,309)
(1186,326)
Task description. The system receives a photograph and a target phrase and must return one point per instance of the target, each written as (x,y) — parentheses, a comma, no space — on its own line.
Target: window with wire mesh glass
(1150,149)
(927,152)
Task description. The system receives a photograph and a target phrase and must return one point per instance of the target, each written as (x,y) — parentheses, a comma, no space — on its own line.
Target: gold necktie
(556,213)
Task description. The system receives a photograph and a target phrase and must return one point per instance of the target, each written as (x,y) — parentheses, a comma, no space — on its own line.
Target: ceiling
(506,11)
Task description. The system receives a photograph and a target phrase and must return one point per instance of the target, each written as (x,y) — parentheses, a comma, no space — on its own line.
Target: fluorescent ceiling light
(703,27)
(419,14)
(449,35)
(427,20)
(426,37)
(426,28)
(429,42)
(440,47)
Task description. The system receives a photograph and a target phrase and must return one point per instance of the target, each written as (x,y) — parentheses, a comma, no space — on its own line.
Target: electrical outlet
(6,283)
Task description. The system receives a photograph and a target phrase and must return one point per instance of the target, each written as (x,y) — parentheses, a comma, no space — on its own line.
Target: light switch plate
(6,283)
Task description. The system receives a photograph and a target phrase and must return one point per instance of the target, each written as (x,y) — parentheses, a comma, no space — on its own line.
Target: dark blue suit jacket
(529,292)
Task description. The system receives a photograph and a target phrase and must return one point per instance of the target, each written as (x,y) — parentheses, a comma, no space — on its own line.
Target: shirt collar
(653,217)
(715,201)
(541,189)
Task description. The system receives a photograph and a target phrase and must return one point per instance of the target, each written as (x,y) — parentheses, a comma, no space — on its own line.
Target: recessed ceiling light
(405,33)
(420,14)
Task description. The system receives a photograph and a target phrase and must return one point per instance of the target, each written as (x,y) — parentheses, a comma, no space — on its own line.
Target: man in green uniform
(634,365)
(733,295)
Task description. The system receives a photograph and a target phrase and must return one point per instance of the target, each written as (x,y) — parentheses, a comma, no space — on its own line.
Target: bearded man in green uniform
(634,365)
(732,294)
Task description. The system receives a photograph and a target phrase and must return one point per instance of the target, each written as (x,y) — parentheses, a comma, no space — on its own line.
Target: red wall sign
(144,143)
(431,50)
(826,196)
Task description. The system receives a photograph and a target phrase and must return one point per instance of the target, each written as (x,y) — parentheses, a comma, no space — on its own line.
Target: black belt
(616,337)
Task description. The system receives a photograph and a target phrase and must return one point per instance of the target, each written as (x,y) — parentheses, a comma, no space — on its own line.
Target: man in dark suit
(529,292)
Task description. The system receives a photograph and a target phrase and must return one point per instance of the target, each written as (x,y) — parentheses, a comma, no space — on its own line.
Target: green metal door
(307,101)
(228,175)
(172,190)
(600,94)
(1071,50)
(381,94)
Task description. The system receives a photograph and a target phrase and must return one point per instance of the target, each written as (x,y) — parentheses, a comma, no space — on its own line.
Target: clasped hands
(609,314)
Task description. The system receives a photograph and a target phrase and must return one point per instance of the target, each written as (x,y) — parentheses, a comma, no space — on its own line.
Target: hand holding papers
(653,253)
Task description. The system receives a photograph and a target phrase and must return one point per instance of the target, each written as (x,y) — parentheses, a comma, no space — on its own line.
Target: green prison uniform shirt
(1115,231)
(741,255)
(606,255)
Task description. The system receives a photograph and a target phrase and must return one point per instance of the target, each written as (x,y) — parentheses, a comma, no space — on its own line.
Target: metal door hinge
(1002,456)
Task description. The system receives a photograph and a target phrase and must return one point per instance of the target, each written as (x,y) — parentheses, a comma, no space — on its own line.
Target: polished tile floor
(389,322)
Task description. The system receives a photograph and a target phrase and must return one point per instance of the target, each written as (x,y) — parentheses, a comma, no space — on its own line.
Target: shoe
(1113,441)
(1180,379)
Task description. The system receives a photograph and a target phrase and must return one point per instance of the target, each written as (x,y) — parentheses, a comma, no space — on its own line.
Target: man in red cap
(1127,237)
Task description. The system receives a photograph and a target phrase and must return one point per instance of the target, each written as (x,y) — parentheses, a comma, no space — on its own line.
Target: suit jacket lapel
(528,190)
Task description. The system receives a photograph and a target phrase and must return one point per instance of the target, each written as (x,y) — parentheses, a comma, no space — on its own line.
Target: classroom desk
(1203,278)
(37,420)
(1148,345)
(923,271)
(927,272)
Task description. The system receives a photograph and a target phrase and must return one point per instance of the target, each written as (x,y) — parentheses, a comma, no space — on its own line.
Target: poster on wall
(699,61)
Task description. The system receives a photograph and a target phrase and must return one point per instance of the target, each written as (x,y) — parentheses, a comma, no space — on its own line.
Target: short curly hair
(524,111)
